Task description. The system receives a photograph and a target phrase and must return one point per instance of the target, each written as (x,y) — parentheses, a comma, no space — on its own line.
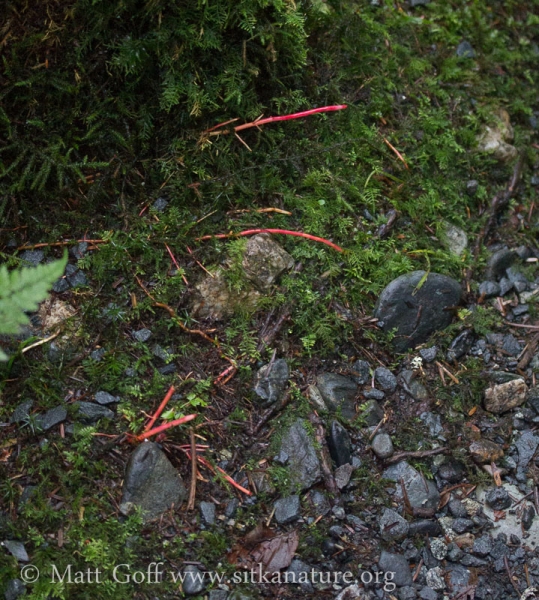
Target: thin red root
(161,408)
(204,462)
(164,427)
(307,236)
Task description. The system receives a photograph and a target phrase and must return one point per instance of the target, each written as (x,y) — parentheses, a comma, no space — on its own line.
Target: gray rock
(465,50)
(193,580)
(264,261)
(434,579)
(457,509)
(417,313)
(392,526)
(511,345)
(424,527)
(372,394)
(142,335)
(338,392)
(505,286)
(398,565)
(499,262)
(231,508)
(343,475)
(458,577)
(287,510)
(372,413)
(428,593)
(304,464)
(271,381)
(433,422)
(382,445)
(320,502)
(217,595)
(17,550)
(428,354)
(361,372)
(79,250)
(60,286)
(453,238)
(151,483)
(15,588)
(98,354)
(490,289)
(89,412)
(159,205)
(460,345)
(482,546)
(281,458)
(21,412)
(462,525)
(438,547)
(528,515)
(422,493)
(413,386)
(106,398)
(300,572)
(32,257)
(207,512)
(471,187)
(498,498)
(339,444)
(51,418)
(77,278)
(451,471)
(505,396)
(385,379)
(407,593)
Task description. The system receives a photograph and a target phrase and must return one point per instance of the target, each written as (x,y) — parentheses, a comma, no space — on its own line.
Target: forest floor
(386,180)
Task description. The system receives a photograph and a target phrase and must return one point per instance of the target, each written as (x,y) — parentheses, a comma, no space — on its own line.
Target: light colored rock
(495,139)
(505,396)
(485,451)
(264,260)
(215,300)
(453,238)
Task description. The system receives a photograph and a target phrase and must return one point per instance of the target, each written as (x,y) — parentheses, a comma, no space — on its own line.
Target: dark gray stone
(458,577)
(151,482)
(207,512)
(372,413)
(417,313)
(159,205)
(193,580)
(471,187)
(482,546)
(407,593)
(142,335)
(271,381)
(428,593)
(89,412)
(17,550)
(98,354)
(51,418)
(281,458)
(15,588)
(32,257)
(392,526)
(398,565)
(465,50)
(168,369)
(21,412)
(106,398)
(428,354)
(526,446)
(385,379)
(422,493)
(412,384)
(460,345)
(424,527)
(339,444)
(499,262)
(382,445)
(433,423)
(462,525)
(217,595)
(339,392)
(287,510)
(511,345)
(79,250)
(499,549)
(451,471)
(528,515)
(372,394)
(77,278)
(457,509)
(505,286)
(301,573)
(231,508)
(472,561)
(498,498)
(342,475)
(361,372)
(516,276)
(60,286)
(490,289)
(320,502)
(304,463)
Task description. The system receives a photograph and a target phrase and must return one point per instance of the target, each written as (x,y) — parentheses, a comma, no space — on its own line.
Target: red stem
(307,236)
(299,115)
(161,408)
(164,427)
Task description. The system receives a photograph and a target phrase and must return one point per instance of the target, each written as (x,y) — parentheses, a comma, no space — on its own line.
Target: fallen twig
(307,236)
(416,454)
(194,472)
(160,409)
(528,352)
(398,154)
(66,243)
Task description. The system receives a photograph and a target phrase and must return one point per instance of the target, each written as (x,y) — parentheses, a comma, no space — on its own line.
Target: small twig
(160,409)
(40,342)
(164,427)
(397,153)
(529,352)
(200,264)
(417,571)
(447,371)
(523,326)
(416,454)
(260,210)
(510,575)
(277,407)
(66,243)
(194,471)
(307,236)
(223,473)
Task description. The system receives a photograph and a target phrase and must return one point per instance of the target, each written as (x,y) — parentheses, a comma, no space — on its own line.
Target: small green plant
(22,290)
